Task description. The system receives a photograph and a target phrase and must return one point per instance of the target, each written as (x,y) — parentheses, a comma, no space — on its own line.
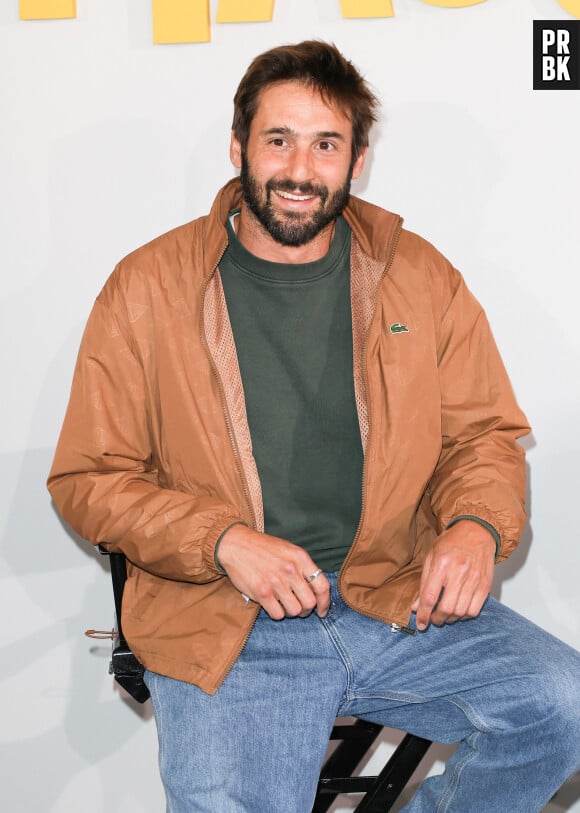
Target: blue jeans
(505,689)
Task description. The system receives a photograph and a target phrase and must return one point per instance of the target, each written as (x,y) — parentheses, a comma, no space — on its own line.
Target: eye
(277,142)
(326,146)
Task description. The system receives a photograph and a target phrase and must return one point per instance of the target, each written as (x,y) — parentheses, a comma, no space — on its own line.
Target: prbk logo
(556,55)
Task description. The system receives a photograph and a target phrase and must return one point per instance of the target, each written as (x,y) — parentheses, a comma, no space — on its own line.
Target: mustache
(288,185)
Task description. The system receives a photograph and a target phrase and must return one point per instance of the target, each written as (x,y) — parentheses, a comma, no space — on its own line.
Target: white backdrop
(108,141)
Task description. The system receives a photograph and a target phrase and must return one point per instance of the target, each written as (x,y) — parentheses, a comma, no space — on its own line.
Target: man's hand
(273,572)
(457,575)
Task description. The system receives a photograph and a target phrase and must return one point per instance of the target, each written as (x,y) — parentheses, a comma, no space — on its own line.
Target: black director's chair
(355,740)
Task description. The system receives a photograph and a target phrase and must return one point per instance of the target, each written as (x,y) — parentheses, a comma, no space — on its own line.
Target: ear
(359,164)
(235,151)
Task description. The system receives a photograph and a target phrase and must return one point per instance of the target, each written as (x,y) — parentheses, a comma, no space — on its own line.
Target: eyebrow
(288,131)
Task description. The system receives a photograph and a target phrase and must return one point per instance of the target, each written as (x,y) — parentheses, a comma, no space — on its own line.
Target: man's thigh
(503,687)
(489,673)
(257,744)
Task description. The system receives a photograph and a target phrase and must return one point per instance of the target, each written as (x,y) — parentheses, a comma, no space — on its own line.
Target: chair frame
(381,790)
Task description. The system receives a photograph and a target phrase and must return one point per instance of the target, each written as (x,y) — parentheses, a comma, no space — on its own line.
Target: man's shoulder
(165,247)
(380,232)
(374,228)
(191,248)
(159,263)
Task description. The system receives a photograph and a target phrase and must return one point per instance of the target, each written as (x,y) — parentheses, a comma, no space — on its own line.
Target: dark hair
(317,65)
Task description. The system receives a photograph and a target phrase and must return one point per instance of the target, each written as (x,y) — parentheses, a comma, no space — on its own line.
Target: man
(291,417)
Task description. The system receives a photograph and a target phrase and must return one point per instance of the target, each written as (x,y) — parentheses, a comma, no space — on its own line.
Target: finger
(269,595)
(425,607)
(476,604)
(432,583)
(439,619)
(286,594)
(463,603)
(291,605)
(453,602)
(305,596)
(273,607)
(321,589)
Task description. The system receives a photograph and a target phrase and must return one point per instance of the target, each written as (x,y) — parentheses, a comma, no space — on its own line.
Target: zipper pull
(399,628)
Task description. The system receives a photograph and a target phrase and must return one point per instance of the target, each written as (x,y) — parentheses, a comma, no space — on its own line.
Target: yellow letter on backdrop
(180,21)
(366,8)
(453,3)
(251,11)
(47,9)
(571,6)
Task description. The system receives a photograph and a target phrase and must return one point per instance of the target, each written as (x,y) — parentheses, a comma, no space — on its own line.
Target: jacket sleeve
(481,469)
(103,479)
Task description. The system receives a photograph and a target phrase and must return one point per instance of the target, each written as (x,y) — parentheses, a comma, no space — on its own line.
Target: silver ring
(246,598)
(313,575)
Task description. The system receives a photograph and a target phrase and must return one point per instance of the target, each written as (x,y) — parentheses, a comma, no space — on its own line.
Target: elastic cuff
(483,524)
(218,543)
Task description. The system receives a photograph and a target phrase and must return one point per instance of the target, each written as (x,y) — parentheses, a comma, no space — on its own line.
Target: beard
(292,228)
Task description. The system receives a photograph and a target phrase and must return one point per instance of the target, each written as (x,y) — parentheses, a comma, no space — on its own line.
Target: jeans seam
(473,717)
(458,768)
(335,640)
(398,697)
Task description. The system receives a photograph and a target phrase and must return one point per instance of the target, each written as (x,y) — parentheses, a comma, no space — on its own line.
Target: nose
(300,165)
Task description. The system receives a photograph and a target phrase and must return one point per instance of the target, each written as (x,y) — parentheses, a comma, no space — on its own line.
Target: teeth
(290,196)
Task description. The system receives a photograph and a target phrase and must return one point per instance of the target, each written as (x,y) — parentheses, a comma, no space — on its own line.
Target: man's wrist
(484,524)
(218,543)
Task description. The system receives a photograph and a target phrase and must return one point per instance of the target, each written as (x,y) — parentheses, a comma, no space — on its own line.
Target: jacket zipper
(394,627)
(237,457)
(399,628)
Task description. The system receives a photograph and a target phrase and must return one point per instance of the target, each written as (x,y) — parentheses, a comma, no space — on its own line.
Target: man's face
(297,167)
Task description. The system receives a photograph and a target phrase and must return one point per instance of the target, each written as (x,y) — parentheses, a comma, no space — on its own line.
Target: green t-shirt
(293,332)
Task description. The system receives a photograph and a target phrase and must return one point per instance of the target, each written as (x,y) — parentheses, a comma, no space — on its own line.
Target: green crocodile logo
(397,327)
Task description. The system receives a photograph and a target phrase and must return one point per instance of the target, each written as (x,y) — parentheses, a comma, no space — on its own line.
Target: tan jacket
(155,456)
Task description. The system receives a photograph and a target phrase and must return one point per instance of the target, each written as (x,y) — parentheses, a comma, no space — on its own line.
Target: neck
(254,237)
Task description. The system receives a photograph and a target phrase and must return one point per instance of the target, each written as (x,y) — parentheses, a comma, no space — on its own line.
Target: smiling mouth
(292,196)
